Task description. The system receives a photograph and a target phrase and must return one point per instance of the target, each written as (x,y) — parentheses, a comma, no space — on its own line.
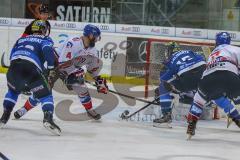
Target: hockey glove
(170,88)
(52,77)
(101,85)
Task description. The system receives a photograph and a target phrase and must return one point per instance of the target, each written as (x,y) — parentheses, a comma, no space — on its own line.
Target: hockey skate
(237,122)
(50,125)
(191,128)
(5,117)
(230,120)
(165,119)
(20,112)
(93,114)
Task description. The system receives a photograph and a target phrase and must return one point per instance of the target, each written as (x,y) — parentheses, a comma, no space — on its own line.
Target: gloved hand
(101,84)
(52,77)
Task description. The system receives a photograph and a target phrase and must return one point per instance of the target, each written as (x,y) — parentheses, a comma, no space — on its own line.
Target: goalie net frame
(205,46)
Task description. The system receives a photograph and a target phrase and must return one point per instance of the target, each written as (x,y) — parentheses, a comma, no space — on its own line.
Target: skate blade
(189,137)
(49,127)
(229,122)
(162,125)
(96,120)
(1,125)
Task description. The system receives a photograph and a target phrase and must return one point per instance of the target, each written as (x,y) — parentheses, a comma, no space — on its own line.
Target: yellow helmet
(39,26)
(172,47)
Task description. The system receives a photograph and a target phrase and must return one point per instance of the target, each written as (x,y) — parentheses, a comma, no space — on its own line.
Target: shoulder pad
(48,39)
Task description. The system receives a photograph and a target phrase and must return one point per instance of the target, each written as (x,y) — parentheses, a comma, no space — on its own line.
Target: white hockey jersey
(223,57)
(73,55)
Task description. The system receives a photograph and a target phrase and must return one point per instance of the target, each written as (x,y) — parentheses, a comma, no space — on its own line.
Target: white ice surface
(113,139)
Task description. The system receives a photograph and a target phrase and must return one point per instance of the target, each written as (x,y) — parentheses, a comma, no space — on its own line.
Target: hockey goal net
(155,56)
(156,49)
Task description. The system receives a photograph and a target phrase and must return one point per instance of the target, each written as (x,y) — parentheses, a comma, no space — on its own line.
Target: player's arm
(48,52)
(50,58)
(168,76)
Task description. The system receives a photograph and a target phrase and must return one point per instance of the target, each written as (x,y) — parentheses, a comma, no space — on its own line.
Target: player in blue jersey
(26,74)
(183,70)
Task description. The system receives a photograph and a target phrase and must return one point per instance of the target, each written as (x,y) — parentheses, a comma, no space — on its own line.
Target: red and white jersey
(73,55)
(223,57)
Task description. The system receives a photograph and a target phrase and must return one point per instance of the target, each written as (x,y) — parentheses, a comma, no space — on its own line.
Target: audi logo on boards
(135,29)
(104,27)
(197,33)
(165,31)
(70,25)
(233,35)
(4,21)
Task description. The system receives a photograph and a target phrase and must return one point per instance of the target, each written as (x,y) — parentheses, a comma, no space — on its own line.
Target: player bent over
(183,70)
(220,80)
(180,80)
(75,53)
(26,74)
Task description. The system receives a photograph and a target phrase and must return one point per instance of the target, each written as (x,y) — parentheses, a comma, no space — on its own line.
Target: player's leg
(29,104)
(8,104)
(76,82)
(209,88)
(86,100)
(212,86)
(15,81)
(48,110)
(229,109)
(195,112)
(166,101)
(42,91)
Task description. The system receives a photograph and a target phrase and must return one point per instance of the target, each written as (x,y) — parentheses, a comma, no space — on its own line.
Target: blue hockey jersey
(37,49)
(179,63)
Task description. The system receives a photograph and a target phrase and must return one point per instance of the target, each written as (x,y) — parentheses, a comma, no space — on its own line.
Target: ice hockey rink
(114,139)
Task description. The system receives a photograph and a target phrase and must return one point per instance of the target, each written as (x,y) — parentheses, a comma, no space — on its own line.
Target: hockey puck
(126,112)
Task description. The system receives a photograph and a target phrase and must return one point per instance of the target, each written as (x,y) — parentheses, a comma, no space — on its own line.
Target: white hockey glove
(101,84)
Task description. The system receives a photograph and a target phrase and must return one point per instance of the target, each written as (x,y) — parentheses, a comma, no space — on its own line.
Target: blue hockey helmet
(94,31)
(223,38)
(91,29)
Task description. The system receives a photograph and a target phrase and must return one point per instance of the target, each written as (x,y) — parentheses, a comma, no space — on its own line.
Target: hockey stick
(2,61)
(3,156)
(124,95)
(125,115)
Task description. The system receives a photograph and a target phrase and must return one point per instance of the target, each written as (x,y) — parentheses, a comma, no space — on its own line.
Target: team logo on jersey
(69,44)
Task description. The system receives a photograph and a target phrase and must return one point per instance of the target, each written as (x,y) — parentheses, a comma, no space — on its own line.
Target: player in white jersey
(220,79)
(75,53)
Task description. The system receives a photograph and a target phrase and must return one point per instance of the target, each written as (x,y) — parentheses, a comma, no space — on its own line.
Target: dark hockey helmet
(172,47)
(43,8)
(39,26)
(223,38)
